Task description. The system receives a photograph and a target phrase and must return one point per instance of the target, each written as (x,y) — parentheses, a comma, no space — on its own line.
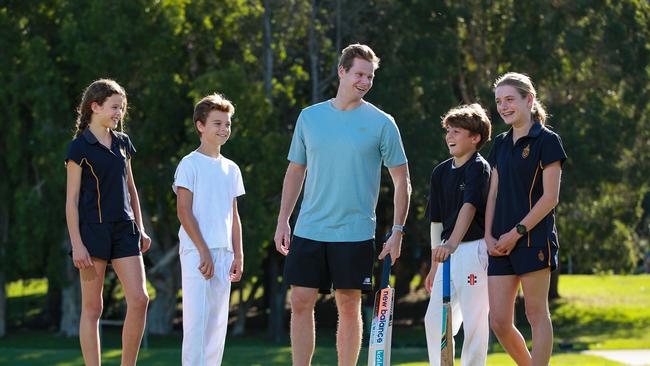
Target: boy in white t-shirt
(207,186)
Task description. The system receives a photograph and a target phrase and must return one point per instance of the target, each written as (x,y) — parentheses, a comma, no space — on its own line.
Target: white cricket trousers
(469,304)
(205,308)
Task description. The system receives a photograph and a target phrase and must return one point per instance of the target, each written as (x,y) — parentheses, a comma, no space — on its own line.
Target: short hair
(471,117)
(357,50)
(209,103)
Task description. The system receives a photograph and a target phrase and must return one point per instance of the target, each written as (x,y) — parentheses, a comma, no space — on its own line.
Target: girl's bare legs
(503,290)
(92,284)
(535,286)
(130,271)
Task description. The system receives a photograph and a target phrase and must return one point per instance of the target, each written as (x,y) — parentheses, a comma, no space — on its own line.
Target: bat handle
(385,274)
(446,286)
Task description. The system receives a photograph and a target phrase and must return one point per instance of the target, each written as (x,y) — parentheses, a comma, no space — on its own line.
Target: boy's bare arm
(184,199)
(237,267)
(463,221)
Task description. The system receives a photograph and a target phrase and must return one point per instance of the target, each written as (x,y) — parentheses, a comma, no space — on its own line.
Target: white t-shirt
(214,183)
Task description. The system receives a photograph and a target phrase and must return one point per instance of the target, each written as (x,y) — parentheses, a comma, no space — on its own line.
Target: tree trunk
(239,328)
(313,54)
(53,304)
(4,225)
(163,309)
(70,300)
(278,297)
(165,277)
(3,304)
(268,53)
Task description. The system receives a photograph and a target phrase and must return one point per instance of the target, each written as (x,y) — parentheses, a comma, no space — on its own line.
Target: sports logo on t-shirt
(472,279)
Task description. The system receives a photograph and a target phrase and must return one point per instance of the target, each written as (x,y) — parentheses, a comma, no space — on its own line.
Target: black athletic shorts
(524,260)
(323,265)
(111,240)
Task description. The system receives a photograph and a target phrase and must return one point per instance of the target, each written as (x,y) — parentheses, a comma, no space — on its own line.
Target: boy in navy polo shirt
(520,218)
(456,209)
(103,216)
(207,186)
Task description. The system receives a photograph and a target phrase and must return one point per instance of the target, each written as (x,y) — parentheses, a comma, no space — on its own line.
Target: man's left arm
(402,183)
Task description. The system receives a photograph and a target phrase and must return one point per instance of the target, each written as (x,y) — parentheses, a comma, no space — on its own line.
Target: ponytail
(538,112)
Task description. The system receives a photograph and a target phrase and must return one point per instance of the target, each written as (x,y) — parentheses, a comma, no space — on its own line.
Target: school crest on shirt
(526,151)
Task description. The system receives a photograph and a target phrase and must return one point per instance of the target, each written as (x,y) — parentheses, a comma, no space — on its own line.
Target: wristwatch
(521,229)
(399,228)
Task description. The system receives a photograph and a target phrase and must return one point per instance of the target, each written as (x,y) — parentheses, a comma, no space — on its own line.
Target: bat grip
(385,273)
(446,287)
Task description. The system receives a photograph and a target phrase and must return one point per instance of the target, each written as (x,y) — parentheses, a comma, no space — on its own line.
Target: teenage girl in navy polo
(104,220)
(520,218)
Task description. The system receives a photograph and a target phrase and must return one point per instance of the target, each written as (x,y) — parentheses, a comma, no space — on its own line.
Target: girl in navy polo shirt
(103,216)
(520,218)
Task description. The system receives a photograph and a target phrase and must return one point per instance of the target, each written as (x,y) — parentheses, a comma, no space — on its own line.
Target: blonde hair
(524,86)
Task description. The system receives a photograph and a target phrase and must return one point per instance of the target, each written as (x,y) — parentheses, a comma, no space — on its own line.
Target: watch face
(521,229)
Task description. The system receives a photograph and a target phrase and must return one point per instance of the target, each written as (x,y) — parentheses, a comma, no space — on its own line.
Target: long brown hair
(524,86)
(98,91)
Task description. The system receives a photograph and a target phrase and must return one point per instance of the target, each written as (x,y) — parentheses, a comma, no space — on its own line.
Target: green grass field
(595,312)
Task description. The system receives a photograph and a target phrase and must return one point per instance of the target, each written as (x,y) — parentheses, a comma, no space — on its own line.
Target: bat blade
(381,328)
(447,337)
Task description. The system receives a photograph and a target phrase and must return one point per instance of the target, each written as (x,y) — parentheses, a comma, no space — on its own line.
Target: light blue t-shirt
(343,151)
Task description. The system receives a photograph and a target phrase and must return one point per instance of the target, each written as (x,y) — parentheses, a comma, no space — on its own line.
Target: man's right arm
(291,188)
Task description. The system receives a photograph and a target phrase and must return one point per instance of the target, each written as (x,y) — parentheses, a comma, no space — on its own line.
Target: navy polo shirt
(451,187)
(104,193)
(520,169)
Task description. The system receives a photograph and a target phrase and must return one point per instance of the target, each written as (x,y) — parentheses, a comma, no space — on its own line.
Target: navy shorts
(524,259)
(111,240)
(323,265)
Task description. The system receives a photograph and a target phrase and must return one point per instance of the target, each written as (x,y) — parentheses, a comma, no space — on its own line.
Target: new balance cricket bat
(381,327)
(447,339)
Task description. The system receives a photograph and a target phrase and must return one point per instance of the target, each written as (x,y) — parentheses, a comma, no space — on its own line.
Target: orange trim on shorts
(548,242)
(99,195)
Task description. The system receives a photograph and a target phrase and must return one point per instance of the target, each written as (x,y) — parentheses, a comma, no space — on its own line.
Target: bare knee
(537,314)
(500,324)
(138,302)
(302,303)
(92,310)
(349,310)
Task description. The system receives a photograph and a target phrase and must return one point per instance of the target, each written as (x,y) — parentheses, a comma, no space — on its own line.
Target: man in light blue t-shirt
(339,145)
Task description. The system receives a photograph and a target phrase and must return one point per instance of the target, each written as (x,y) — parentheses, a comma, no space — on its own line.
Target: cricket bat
(381,327)
(447,339)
